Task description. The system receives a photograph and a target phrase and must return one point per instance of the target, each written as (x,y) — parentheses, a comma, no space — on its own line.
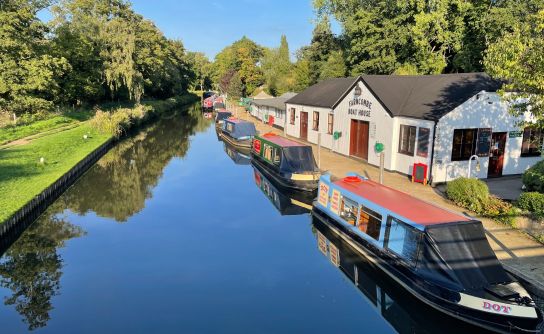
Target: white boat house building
(440,121)
(271,110)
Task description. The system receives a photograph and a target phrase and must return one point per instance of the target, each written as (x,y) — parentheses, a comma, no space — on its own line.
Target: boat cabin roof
(402,204)
(280,141)
(235,120)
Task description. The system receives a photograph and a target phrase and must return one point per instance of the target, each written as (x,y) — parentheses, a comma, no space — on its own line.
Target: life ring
(352,179)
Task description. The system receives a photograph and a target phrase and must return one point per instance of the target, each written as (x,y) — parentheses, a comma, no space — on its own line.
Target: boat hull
(244,144)
(284,182)
(421,289)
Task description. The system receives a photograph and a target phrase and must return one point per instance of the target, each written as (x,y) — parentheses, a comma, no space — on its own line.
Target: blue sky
(209,26)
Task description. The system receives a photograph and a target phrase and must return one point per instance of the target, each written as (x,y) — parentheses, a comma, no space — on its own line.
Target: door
(358,145)
(304,125)
(496,154)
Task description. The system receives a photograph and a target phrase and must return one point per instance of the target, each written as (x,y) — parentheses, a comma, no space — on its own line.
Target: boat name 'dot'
(497,307)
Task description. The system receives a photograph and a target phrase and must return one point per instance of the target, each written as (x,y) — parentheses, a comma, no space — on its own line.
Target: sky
(209,26)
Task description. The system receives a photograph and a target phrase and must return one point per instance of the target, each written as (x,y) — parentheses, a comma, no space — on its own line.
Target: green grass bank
(23,176)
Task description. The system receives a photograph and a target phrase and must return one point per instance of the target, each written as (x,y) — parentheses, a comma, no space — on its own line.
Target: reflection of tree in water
(31,268)
(122,180)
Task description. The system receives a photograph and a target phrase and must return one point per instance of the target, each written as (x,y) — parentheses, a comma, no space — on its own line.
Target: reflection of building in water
(286,202)
(401,310)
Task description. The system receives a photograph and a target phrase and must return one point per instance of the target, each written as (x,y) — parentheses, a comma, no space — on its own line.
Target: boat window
(348,210)
(370,222)
(230,127)
(402,239)
(272,154)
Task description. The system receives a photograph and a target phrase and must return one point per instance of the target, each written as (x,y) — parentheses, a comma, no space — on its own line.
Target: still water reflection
(201,249)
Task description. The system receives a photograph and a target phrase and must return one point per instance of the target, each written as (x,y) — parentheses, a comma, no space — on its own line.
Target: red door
(358,145)
(496,154)
(304,125)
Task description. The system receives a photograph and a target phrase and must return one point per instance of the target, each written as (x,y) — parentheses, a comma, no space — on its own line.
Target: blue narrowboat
(237,132)
(405,313)
(441,257)
(220,118)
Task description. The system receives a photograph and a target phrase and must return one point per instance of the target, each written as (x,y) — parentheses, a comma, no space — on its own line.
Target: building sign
(515,134)
(483,142)
(335,201)
(372,130)
(323,194)
(355,106)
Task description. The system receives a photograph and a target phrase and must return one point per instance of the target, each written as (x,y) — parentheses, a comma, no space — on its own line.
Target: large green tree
(242,57)
(518,58)
(277,68)
(28,70)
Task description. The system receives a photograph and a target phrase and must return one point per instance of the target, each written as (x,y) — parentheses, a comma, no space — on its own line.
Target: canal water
(171,232)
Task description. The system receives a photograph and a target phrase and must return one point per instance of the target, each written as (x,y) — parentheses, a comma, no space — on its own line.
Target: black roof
(325,94)
(418,96)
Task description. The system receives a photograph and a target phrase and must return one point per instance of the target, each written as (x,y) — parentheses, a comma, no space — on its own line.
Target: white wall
(380,126)
(404,163)
(487,111)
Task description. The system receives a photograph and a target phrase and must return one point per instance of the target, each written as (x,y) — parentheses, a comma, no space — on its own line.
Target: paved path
(520,253)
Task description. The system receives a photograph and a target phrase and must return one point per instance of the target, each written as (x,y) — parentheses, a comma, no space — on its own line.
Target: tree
(334,67)
(516,58)
(301,71)
(241,57)
(323,44)
(28,78)
(277,68)
(202,68)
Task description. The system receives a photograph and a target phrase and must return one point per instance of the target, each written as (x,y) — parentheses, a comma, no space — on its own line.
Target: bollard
(319,150)
(382,158)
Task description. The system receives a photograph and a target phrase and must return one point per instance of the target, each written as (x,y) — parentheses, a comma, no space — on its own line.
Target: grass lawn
(22,176)
(12,133)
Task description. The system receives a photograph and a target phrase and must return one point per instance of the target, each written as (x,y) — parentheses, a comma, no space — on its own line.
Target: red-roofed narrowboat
(441,257)
(290,164)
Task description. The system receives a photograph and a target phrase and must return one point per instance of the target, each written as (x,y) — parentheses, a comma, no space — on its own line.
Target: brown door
(358,145)
(304,125)
(496,154)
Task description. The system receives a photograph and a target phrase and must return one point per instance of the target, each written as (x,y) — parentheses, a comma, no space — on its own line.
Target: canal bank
(35,173)
(521,255)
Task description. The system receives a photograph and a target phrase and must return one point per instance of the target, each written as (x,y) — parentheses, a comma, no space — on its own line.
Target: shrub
(533,178)
(500,210)
(532,202)
(471,194)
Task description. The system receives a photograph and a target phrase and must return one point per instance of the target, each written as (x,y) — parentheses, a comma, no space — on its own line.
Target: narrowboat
(240,156)
(287,202)
(220,117)
(207,104)
(237,132)
(289,163)
(218,105)
(400,309)
(442,258)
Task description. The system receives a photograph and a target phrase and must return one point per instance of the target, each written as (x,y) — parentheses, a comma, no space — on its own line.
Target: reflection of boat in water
(240,156)
(401,310)
(289,163)
(287,202)
(440,257)
(237,132)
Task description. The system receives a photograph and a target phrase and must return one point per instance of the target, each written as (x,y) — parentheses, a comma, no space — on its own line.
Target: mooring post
(319,150)
(382,158)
